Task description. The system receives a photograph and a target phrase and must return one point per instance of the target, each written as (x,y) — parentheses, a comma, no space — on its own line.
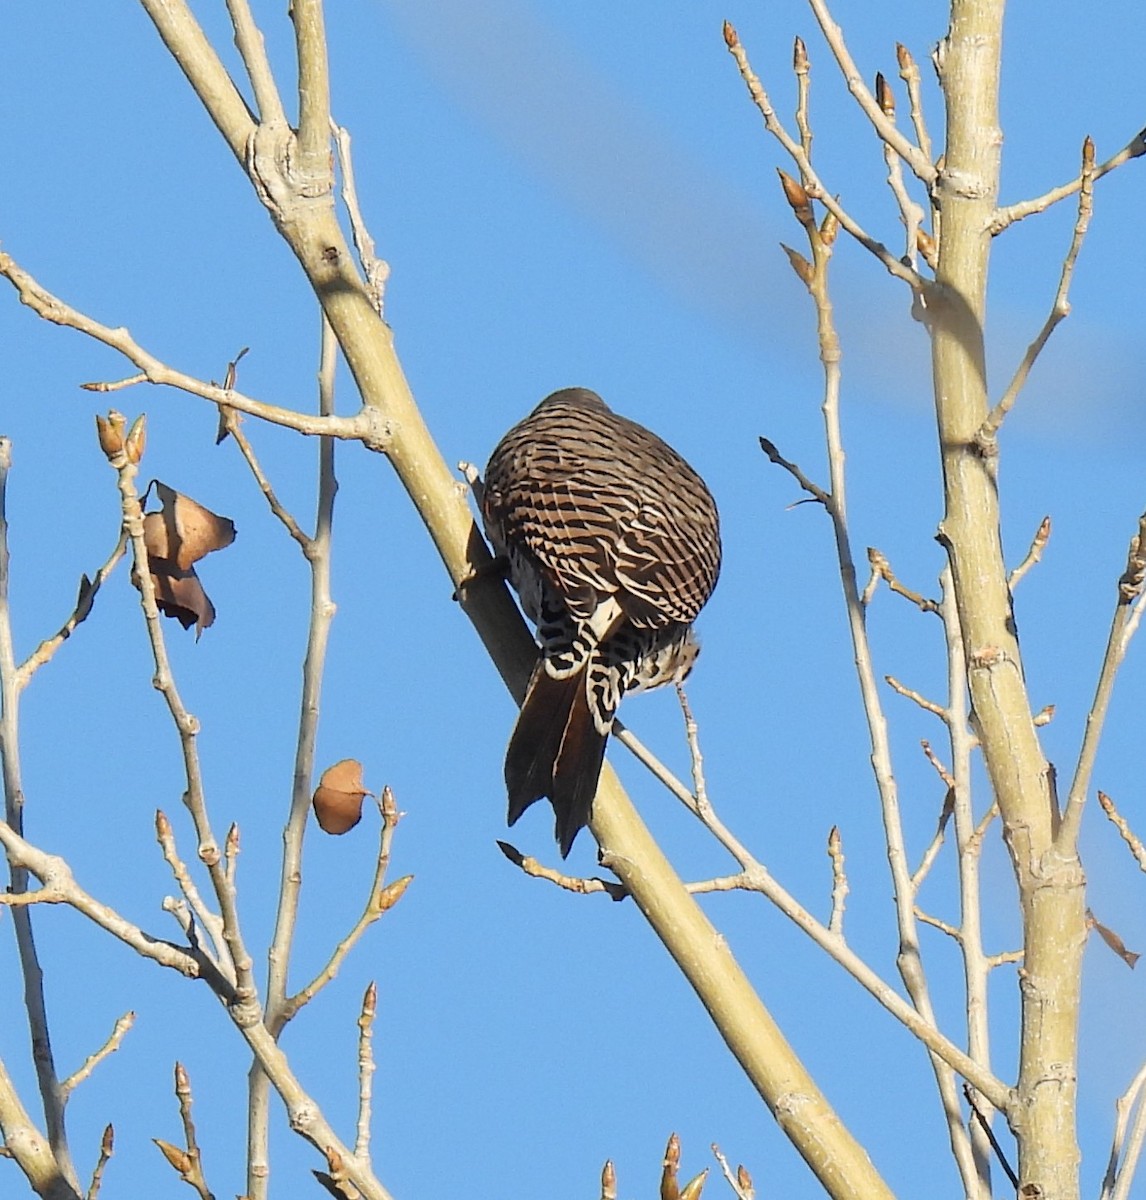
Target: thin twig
(106,1150)
(909,73)
(882,567)
(968,846)
(31,968)
(582,887)
(366,1069)
(1034,553)
(915,158)
(364,426)
(927,705)
(1132,840)
(740,1181)
(1119,1173)
(89,589)
(839,882)
(1135,148)
(318,552)
(950,930)
(910,213)
(209,921)
(252,49)
(985,1125)
(814,184)
(187,729)
(1127,613)
(1060,308)
(119,1031)
(813,489)
(936,844)
(376,270)
(382,898)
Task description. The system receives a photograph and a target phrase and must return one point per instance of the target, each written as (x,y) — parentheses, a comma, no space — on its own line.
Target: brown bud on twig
(136,441)
(829,228)
(1088,154)
(392,893)
(903,57)
(883,95)
(692,1189)
(370,1000)
(927,247)
(608,1181)
(109,430)
(797,196)
(745,1180)
(731,37)
(177,1157)
(800,57)
(800,265)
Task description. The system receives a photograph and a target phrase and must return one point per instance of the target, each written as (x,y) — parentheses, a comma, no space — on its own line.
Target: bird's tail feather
(556,750)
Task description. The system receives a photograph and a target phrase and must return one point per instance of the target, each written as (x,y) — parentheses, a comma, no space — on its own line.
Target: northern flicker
(613,545)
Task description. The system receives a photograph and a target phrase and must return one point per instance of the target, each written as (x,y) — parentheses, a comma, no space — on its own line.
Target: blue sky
(566,197)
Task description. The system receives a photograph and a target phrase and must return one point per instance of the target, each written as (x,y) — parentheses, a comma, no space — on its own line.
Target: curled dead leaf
(177,535)
(338,798)
(183,531)
(1129,957)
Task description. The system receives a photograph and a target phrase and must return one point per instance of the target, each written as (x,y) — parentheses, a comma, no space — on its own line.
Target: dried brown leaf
(1113,941)
(179,594)
(338,797)
(183,531)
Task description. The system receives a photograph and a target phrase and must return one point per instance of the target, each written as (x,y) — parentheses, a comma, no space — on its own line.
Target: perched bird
(612,542)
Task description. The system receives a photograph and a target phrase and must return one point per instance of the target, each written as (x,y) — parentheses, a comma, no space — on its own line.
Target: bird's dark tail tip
(556,751)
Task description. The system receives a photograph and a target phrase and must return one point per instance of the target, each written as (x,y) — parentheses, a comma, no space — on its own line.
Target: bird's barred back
(603,506)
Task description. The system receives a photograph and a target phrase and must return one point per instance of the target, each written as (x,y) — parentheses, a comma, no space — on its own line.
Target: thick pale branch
(253,51)
(188,45)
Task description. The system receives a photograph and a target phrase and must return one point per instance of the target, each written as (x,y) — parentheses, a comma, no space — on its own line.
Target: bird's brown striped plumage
(613,544)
